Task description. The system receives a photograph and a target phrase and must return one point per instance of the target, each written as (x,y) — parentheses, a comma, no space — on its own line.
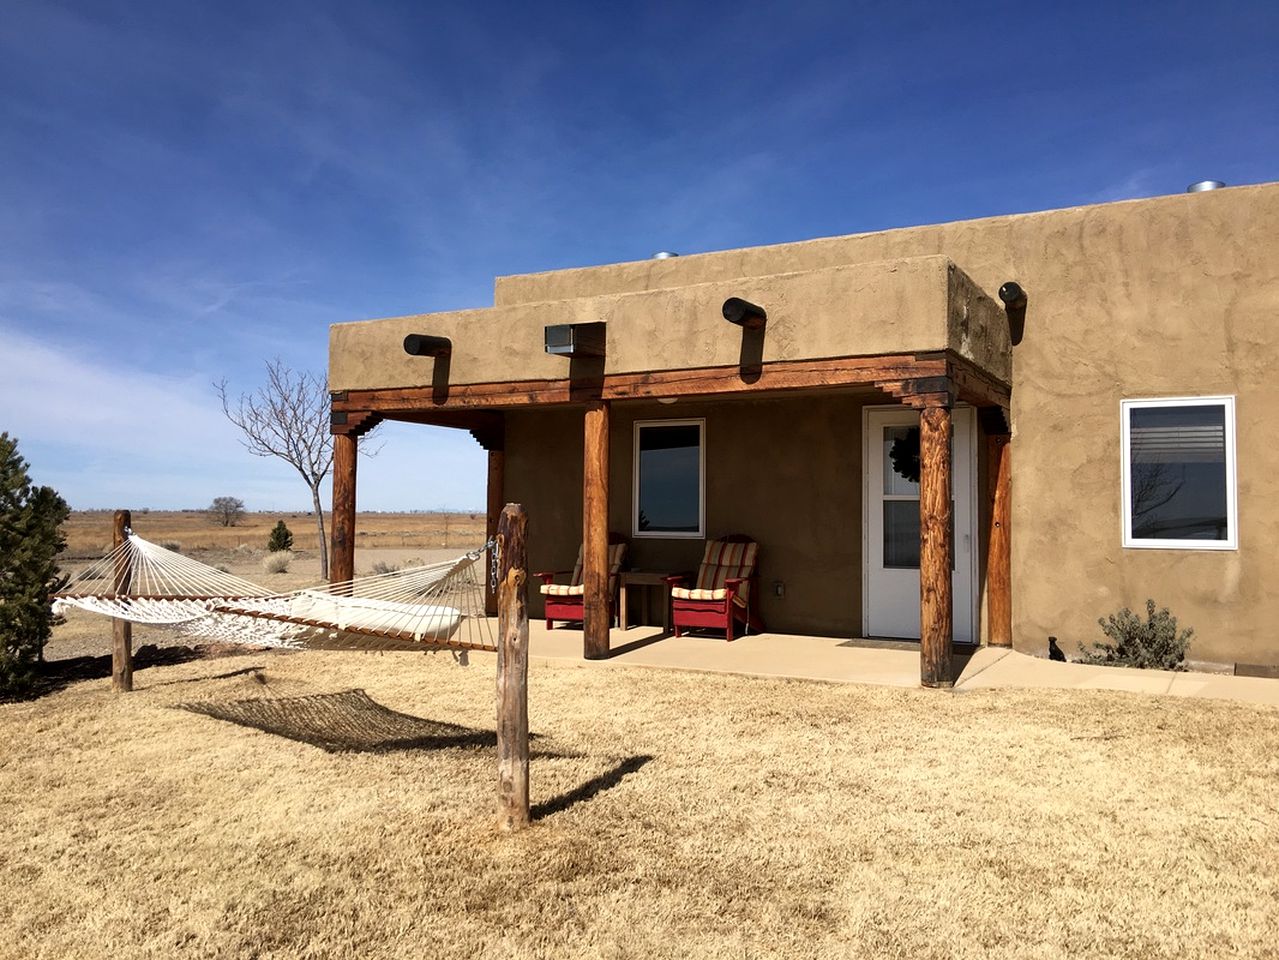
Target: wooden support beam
(354,423)
(122,630)
(401,402)
(595,606)
(512,670)
(936,613)
(999,590)
(496,483)
(342,559)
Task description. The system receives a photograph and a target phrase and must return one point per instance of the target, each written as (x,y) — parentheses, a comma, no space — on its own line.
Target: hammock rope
(439,605)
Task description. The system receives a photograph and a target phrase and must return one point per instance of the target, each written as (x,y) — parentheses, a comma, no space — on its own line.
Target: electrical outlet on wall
(779,588)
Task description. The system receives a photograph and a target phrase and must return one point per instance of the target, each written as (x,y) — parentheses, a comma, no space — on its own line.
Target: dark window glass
(1178,473)
(669,479)
(901,534)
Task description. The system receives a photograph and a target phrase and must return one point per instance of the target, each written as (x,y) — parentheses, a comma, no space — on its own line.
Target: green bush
(281,538)
(30,540)
(1154,644)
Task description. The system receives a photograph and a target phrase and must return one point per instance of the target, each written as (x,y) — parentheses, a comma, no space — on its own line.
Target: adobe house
(979,432)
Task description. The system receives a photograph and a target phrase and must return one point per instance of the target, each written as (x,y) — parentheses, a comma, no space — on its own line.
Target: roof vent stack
(1205,185)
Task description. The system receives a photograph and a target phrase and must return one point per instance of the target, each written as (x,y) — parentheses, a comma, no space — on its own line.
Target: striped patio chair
(722,593)
(565,601)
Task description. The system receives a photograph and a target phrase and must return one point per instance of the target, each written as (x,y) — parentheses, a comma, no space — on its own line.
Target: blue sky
(187,189)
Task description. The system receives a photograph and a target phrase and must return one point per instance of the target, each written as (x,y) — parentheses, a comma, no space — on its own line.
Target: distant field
(89,531)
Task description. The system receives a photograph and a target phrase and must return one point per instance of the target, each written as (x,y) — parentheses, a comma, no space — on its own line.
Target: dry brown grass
(88,532)
(681,815)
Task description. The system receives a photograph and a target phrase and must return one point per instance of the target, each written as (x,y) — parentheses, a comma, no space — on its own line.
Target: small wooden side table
(642,578)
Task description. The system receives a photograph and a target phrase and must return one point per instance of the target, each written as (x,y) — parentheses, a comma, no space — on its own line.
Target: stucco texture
(1172,296)
(785,471)
(916,304)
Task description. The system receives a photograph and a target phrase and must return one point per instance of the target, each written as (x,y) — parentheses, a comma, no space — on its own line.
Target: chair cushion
(693,593)
(722,561)
(563,589)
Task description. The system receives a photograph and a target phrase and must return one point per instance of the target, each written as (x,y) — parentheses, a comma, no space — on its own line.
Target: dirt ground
(254,806)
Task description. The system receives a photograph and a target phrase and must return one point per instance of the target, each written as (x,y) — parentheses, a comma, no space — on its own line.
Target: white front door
(891,547)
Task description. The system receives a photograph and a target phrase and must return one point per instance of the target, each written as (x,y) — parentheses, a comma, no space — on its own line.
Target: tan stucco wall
(1172,296)
(852,310)
(784,471)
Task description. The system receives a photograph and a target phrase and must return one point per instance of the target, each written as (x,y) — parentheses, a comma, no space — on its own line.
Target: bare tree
(227,511)
(288,418)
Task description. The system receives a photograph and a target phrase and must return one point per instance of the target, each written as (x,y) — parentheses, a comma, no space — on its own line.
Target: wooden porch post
(999,590)
(122,630)
(342,559)
(496,481)
(595,612)
(936,612)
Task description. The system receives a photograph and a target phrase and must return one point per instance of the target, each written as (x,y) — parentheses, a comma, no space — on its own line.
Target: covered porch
(777,430)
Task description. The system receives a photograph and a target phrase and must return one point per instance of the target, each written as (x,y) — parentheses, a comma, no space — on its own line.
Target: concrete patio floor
(834,660)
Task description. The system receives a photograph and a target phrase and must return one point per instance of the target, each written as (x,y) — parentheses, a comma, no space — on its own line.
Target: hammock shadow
(590,789)
(346,722)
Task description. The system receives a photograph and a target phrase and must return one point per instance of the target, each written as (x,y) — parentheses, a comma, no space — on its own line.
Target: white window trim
(700,534)
(1232,511)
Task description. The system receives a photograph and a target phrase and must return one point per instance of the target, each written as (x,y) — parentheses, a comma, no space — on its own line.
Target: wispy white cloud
(106,434)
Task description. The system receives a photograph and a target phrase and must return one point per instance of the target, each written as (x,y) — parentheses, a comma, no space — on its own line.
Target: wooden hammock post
(512,670)
(122,630)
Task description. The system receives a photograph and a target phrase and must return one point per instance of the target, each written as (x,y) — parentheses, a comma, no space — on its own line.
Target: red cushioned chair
(726,583)
(565,601)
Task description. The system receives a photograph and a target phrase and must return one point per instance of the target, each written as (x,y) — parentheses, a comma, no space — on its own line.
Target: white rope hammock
(437,605)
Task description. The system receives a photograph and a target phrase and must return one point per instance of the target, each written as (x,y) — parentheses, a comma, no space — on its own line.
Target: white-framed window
(1179,473)
(669,482)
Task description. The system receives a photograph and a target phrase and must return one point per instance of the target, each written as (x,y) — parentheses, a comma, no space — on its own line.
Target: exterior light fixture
(744,313)
(422,345)
(575,340)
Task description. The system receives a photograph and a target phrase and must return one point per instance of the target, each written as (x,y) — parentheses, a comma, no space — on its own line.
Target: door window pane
(1177,473)
(901,461)
(668,476)
(901,534)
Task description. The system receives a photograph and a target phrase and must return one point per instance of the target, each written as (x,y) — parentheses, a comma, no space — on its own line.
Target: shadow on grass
(255,671)
(590,789)
(353,722)
(346,722)
(54,675)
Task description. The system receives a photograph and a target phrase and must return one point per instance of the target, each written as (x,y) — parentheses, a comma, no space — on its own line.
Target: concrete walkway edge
(837,661)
